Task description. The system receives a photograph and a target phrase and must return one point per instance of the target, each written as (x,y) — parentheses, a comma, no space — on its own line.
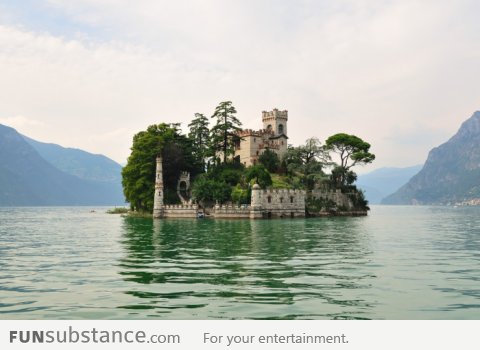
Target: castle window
(257,153)
(269,199)
(281,199)
(269,127)
(282,143)
(254,139)
(291,199)
(280,129)
(159,193)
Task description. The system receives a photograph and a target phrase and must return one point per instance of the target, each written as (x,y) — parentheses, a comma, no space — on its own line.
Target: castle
(265,203)
(273,136)
(270,203)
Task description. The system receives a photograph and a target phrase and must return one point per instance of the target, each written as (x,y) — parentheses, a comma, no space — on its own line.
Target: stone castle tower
(275,120)
(272,136)
(158,198)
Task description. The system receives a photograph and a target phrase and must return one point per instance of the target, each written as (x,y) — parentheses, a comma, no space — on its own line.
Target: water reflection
(247,269)
(397,263)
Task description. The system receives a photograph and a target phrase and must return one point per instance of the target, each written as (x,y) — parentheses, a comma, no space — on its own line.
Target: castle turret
(275,120)
(158,198)
(255,204)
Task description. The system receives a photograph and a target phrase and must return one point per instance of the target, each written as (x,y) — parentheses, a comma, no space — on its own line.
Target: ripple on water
(397,263)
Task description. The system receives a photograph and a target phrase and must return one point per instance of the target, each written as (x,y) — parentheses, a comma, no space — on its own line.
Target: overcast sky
(89,74)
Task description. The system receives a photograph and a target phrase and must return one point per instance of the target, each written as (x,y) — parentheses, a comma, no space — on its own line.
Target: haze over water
(397,263)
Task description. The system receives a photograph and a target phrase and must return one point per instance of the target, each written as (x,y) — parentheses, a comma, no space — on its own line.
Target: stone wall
(340,199)
(279,202)
(231,212)
(180,211)
(249,149)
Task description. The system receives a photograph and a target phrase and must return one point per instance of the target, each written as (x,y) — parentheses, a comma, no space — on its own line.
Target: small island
(229,172)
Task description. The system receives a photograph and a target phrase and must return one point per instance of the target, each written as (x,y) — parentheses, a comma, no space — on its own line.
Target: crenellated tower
(158,197)
(276,121)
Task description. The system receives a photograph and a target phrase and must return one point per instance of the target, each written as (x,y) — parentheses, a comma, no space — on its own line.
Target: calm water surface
(397,263)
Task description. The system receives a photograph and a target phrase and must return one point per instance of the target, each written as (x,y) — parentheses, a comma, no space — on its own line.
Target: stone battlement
(180,206)
(274,114)
(180,211)
(257,133)
(231,212)
(283,191)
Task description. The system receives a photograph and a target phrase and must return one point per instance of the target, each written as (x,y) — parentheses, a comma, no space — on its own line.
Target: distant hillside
(384,181)
(450,174)
(76,162)
(26,178)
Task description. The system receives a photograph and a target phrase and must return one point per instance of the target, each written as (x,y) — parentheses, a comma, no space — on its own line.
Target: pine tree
(199,134)
(224,133)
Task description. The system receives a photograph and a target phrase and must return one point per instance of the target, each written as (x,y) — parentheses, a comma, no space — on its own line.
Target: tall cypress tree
(224,133)
(199,133)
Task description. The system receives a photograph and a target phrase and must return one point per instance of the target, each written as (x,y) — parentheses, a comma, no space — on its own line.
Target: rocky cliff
(451,173)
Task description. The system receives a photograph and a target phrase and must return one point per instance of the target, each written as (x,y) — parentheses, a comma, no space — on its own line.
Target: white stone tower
(158,198)
(275,120)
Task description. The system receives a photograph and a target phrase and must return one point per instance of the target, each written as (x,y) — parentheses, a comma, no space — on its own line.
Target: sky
(89,74)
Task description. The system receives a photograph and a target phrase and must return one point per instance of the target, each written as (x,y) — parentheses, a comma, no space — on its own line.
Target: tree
(199,133)
(206,189)
(350,148)
(307,161)
(240,195)
(260,174)
(270,160)
(341,176)
(224,133)
(352,151)
(313,151)
(138,176)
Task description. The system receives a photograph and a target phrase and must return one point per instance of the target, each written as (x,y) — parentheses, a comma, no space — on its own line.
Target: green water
(397,263)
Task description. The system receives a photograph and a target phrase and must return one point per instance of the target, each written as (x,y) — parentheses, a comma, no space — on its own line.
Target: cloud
(364,67)
(20,121)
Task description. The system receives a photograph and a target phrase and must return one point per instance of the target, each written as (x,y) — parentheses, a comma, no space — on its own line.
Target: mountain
(79,163)
(27,179)
(451,173)
(384,181)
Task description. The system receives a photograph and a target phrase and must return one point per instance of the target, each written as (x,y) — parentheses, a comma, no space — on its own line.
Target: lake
(397,263)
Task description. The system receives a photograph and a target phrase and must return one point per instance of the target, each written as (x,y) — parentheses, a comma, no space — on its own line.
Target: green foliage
(223,135)
(199,135)
(269,160)
(231,173)
(138,176)
(341,177)
(307,162)
(118,210)
(260,174)
(358,200)
(217,183)
(352,151)
(206,189)
(241,195)
(350,148)
(279,181)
